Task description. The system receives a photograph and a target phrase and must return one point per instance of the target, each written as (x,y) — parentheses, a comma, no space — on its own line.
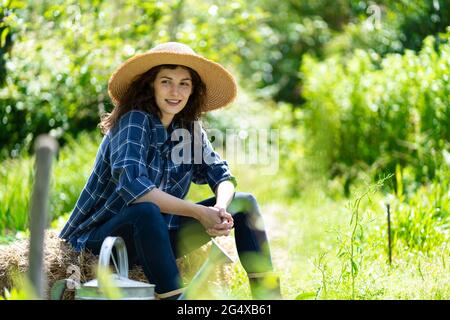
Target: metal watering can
(93,290)
(129,289)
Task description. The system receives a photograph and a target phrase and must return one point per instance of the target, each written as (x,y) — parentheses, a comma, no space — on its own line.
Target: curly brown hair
(141,96)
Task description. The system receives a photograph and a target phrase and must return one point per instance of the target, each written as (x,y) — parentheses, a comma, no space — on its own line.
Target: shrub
(374,113)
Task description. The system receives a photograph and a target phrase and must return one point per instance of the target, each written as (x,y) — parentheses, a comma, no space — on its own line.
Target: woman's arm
(224,194)
(209,217)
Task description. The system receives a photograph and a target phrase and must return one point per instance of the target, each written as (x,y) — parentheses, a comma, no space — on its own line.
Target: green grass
(312,237)
(15,191)
(70,172)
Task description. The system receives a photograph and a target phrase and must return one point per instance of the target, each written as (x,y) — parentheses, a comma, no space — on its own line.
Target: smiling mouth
(173,102)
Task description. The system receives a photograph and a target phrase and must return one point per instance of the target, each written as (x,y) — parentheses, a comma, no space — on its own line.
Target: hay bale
(62,262)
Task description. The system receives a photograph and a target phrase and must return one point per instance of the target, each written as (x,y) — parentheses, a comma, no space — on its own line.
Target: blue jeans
(151,245)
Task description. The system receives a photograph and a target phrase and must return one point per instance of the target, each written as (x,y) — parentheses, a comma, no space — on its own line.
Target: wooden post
(45,147)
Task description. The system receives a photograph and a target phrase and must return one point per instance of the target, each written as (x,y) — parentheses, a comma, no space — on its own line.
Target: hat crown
(175,47)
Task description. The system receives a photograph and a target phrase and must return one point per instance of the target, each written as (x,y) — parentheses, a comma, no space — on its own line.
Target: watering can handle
(121,250)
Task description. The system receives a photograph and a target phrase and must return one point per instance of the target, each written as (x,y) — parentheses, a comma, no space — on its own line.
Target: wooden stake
(45,147)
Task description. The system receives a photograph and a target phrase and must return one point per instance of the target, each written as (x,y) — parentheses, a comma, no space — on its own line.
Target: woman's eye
(185,84)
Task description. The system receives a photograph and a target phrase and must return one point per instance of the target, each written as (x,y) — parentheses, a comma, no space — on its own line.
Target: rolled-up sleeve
(213,170)
(130,147)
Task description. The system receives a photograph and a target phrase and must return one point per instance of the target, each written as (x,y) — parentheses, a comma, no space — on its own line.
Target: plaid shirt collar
(163,135)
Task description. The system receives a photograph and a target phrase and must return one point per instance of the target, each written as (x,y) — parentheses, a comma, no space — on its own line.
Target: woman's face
(172,90)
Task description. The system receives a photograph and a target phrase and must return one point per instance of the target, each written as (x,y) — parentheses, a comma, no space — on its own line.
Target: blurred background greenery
(357,89)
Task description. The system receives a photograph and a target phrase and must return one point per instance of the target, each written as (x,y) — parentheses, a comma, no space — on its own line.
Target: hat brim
(220,85)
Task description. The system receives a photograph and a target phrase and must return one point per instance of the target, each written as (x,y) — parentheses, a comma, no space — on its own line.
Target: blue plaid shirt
(135,157)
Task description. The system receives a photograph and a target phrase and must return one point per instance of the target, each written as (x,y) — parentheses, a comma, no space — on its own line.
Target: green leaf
(354,267)
(306,296)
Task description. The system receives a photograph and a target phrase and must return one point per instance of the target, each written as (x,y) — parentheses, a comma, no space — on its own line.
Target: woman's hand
(209,217)
(227,219)
(224,228)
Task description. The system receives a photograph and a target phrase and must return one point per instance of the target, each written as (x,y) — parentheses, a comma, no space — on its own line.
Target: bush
(374,113)
(58,71)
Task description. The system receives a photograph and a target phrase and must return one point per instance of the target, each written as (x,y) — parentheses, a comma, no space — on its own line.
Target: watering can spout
(217,255)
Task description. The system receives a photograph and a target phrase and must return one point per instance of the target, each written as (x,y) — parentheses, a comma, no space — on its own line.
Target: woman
(138,183)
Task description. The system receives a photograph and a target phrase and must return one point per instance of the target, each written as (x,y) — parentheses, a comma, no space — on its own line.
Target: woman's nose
(174,90)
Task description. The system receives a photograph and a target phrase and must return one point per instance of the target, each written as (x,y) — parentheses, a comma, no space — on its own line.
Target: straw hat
(221,86)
